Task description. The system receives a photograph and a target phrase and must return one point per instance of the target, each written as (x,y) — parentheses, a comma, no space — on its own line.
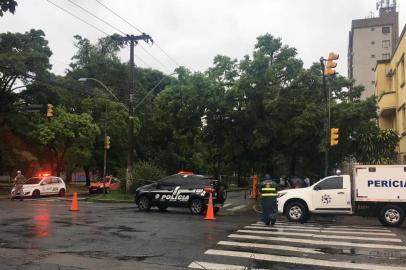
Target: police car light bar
(184,173)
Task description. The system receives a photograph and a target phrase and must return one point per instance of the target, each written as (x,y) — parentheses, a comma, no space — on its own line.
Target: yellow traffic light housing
(107,142)
(334,132)
(50,110)
(331,64)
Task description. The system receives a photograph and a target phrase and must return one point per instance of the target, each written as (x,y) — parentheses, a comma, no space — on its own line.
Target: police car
(184,189)
(43,185)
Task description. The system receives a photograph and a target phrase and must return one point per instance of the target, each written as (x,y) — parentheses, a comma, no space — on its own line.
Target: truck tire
(296,211)
(391,216)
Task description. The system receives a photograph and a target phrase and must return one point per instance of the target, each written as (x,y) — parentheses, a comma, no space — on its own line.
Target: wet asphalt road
(43,234)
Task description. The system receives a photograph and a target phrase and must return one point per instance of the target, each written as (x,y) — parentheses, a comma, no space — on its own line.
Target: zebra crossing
(306,246)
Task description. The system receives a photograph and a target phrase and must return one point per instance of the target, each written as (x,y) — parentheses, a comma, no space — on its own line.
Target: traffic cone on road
(74,206)
(210,209)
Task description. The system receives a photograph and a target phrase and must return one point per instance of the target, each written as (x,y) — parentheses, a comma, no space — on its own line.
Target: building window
(372,42)
(372,69)
(385,56)
(373,29)
(385,30)
(385,43)
(373,82)
(372,55)
(402,72)
(403,119)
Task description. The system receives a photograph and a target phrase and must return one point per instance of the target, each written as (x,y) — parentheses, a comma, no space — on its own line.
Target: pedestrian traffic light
(107,142)
(331,64)
(50,110)
(334,136)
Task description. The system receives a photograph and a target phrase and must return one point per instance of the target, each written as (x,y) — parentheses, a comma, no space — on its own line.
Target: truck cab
(330,195)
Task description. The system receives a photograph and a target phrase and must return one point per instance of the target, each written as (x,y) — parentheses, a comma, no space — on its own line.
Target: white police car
(43,185)
(184,189)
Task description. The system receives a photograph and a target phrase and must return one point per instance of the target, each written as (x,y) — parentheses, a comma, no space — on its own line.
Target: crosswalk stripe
(269,246)
(226,205)
(317,242)
(323,236)
(318,230)
(302,261)
(324,228)
(215,266)
(237,208)
(337,226)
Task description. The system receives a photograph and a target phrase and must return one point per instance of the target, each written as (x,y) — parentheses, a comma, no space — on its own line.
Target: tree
(7,5)
(65,134)
(23,59)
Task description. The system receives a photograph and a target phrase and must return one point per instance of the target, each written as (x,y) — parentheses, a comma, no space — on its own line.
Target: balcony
(387,103)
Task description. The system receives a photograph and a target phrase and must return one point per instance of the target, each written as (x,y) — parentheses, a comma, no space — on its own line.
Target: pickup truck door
(332,194)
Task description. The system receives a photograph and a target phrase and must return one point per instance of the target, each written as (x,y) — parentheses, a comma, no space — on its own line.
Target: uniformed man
(269,192)
(19,181)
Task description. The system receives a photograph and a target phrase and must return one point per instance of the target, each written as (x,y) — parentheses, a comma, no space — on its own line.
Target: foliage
(7,5)
(67,134)
(375,146)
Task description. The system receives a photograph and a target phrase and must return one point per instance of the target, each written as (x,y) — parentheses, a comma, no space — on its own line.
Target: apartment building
(390,91)
(370,40)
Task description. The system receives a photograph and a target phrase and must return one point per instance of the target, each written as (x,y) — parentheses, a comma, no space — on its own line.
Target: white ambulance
(378,190)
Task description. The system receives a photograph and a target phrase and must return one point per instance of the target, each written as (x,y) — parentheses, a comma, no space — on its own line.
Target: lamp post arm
(107,89)
(152,90)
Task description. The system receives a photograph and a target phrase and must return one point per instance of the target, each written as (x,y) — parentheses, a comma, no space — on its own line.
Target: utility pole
(327,70)
(132,40)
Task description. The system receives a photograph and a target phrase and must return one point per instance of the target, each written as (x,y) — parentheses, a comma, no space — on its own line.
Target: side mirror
(42,183)
(317,188)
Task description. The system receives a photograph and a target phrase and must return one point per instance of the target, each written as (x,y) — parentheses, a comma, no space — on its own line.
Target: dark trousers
(269,210)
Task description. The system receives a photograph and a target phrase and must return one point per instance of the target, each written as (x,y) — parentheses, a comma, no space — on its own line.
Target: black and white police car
(184,189)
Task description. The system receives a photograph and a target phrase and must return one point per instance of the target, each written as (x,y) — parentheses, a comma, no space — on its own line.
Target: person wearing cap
(19,181)
(269,192)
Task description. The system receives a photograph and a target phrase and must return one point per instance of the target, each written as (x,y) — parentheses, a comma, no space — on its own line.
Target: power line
(70,13)
(153,57)
(136,28)
(90,13)
(100,19)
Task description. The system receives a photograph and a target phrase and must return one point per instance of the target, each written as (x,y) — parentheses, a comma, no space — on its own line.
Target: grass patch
(113,196)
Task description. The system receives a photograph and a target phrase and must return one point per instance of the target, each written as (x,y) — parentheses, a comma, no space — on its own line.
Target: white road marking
(303,261)
(331,225)
(350,237)
(281,229)
(237,208)
(269,246)
(317,242)
(215,266)
(324,228)
(227,205)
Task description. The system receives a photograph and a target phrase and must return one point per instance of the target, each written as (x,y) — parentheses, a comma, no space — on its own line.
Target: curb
(110,201)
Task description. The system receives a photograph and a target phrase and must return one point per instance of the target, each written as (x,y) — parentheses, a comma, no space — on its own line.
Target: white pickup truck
(378,190)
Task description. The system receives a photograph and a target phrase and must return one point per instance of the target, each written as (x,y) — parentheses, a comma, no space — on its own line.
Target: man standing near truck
(269,192)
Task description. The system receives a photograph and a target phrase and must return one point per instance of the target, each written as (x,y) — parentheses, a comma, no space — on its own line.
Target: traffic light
(50,110)
(334,136)
(331,64)
(107,142)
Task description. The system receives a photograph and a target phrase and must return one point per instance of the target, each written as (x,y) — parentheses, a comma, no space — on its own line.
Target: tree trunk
(87,173)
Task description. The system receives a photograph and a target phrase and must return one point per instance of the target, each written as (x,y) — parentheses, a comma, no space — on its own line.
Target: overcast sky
(192,32)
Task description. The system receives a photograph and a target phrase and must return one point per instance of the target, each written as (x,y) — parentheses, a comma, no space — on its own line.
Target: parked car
(43,185)
(98,186)
(181,190)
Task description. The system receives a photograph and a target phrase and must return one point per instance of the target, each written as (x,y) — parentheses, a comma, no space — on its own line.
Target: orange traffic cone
(74,206)
(210,210)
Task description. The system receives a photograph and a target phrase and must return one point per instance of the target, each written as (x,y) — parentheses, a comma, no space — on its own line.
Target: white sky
(193,31)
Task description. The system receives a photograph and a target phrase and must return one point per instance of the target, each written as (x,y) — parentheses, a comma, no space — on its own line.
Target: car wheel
(196,206)
(144,204)
(222,193)
(62,193)
(391,216)
(36,194)
(91,191)
(216,209)
(296,211)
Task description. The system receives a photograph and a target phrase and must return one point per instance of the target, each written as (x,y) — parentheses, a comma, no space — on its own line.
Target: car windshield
(33,181)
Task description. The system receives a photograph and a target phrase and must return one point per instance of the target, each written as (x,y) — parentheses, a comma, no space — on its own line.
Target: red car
(98,186)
